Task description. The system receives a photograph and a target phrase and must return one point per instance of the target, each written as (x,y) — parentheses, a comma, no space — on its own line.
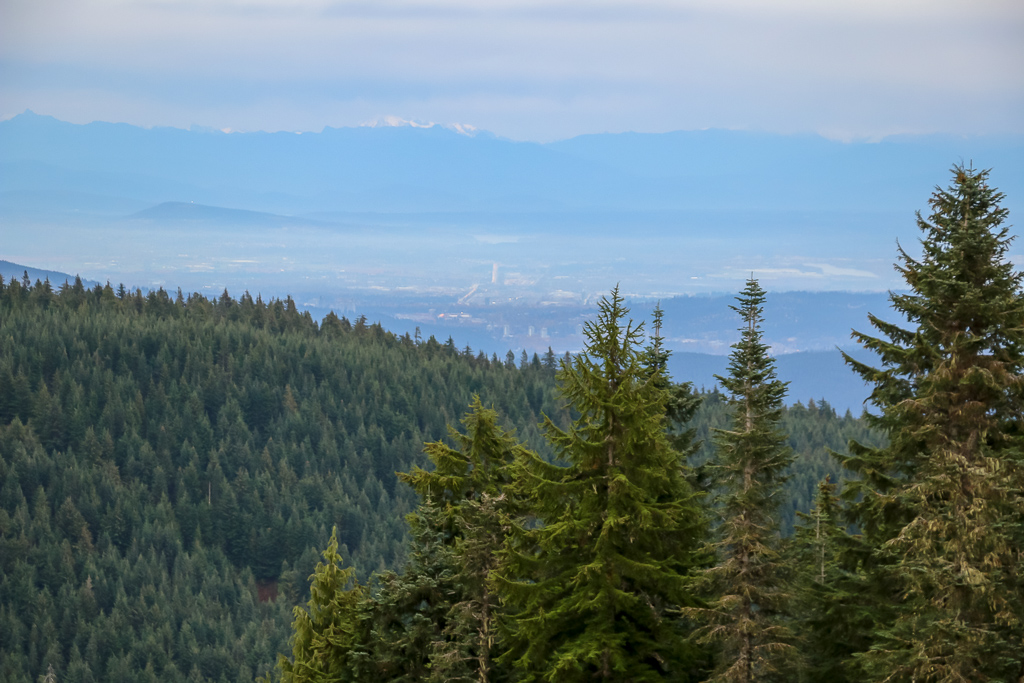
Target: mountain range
(436,169)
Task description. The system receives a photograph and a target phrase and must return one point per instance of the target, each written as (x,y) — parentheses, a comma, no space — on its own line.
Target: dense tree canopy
(170,464)
(327,635)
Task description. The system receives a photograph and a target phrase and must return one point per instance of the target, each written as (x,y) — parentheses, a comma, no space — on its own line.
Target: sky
(524,69)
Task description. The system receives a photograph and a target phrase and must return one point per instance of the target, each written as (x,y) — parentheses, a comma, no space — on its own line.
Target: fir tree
(592,581)
(327,637)
(467,488)
(683,401)
(819,531)
(941,506)
(408,615)
(748,471)
(820,584)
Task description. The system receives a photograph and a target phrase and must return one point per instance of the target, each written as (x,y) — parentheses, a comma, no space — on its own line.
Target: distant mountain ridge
(16,271)
(190,211)
(402,168)
(426,206)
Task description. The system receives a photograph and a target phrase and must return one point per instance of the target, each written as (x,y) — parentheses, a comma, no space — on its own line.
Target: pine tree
(748,470)
(941,506)
(592,581)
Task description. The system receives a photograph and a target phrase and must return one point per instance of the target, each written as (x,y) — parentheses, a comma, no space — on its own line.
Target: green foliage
(819,582)
(409,611)
(329,636)
(748,473)
(592,581)
(437,620)
(169,465)
(469,486)
(942,506)
(814,432)
(683,402)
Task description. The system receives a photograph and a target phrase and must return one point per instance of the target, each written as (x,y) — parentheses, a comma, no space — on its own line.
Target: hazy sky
(537,70)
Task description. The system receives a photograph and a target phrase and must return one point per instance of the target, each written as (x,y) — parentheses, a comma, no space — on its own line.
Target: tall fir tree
(467,488)
(592,580)
(942,506)
(819,532)
(748,471)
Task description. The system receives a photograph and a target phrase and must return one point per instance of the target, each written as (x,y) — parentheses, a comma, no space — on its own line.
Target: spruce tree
(941,506)
(748,472)
(819,532)
(593,575)
(683,401)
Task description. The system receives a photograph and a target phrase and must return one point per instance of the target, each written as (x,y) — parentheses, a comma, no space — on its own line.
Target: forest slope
(171,464)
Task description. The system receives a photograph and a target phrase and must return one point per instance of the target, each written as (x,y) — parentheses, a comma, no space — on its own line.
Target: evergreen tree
(328,637)
(942,506)
(169,464)
(592,580)
(819,531)
(819,597)
(683,401)
(408,614)
(467,488)
(748,472)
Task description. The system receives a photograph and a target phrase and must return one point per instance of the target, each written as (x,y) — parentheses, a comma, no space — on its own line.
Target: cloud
(834,271)
(823,272)
(527,69)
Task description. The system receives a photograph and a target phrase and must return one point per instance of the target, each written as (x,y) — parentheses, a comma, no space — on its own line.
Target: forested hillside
(171,466)
(166,463)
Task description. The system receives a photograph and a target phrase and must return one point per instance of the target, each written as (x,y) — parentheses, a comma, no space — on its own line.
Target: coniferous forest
(225,490)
